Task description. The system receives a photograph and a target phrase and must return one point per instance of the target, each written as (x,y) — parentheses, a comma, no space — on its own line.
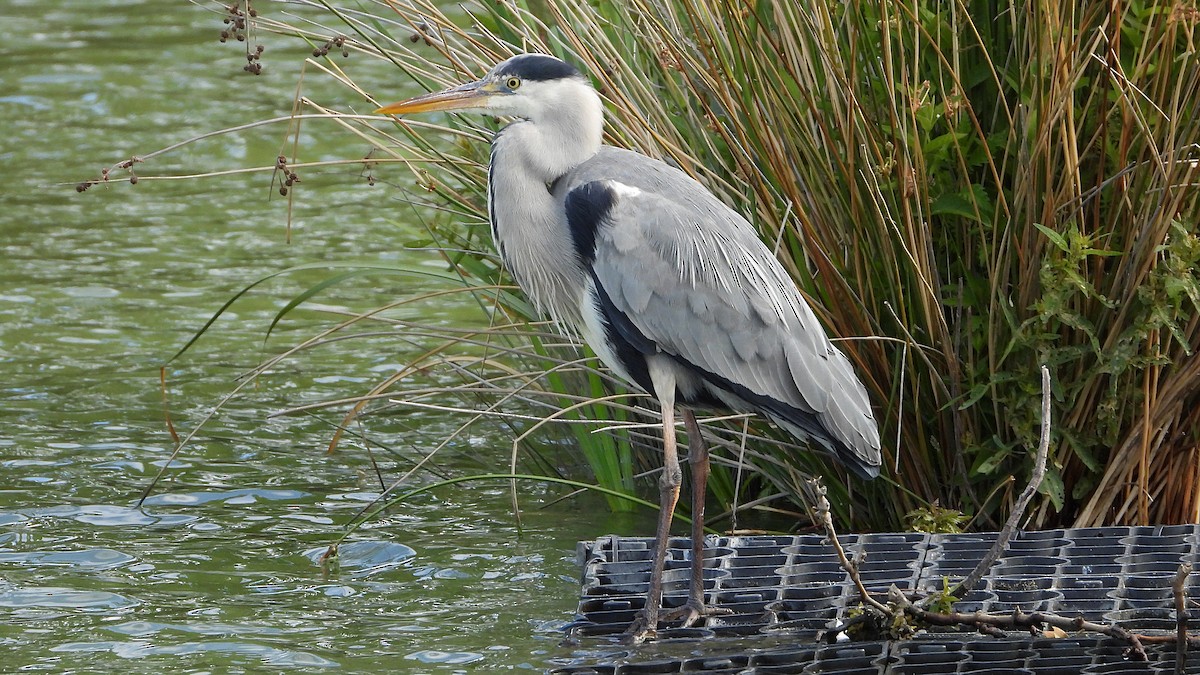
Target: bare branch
(1022,503)
(1018,620)
(1181,617)
(851,567)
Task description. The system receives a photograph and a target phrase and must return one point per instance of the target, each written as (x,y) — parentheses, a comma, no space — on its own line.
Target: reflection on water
(93,558)
(219,570)
(63,598)
(365,558)
(229,652)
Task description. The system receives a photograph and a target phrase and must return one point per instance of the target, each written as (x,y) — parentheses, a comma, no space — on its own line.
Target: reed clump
(964,190)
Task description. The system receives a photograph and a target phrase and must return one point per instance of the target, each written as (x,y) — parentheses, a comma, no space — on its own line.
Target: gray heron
(671,288)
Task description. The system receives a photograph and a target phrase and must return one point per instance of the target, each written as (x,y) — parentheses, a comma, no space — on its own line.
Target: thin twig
(1181,617)
(1017,620)
(1022,503)
(851,566)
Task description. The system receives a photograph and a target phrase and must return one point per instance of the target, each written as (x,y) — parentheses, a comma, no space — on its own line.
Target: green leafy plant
(936,520)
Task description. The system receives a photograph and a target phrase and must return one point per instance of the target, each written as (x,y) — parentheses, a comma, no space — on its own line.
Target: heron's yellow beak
(465,96)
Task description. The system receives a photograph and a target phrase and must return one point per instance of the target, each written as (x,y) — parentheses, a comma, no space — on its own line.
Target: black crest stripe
(539,67)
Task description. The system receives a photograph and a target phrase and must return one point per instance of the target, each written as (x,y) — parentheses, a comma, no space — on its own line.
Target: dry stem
(1018,511)
(1016,620)
(851,566)
(1181,617)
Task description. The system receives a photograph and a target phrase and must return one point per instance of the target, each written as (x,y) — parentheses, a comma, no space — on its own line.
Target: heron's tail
(863,461)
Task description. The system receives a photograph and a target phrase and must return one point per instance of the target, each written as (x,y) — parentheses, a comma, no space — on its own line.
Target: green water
(217,572)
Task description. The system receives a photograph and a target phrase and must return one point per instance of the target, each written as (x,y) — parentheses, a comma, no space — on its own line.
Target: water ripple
(92,558)
(10,518)
(451,658)
(242,496)
(138,650)
(63,598)
(147,628)
(366,558)
(109,515)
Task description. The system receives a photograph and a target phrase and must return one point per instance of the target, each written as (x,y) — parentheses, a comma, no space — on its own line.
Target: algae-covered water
(218,571)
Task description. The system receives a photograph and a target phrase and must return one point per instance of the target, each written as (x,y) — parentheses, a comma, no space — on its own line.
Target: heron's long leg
(694,610)
(664,388)
(698,461)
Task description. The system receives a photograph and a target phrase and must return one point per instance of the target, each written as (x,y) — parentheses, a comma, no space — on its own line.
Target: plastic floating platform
(784,593)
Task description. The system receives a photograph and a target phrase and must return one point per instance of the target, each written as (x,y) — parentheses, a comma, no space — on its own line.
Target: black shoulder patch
(587,209)
(538,67)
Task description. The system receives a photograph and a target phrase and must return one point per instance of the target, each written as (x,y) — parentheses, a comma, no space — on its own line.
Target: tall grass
(964,190)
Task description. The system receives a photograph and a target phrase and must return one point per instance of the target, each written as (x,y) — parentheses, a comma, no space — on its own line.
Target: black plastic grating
(793,587)
(934,655)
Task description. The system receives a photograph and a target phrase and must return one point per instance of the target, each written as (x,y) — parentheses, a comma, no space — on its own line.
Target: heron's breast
(532,238)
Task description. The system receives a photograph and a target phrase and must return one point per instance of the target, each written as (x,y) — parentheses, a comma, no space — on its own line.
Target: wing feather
(692,276)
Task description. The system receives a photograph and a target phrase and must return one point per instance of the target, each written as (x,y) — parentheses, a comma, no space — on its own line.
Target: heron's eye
(513,83)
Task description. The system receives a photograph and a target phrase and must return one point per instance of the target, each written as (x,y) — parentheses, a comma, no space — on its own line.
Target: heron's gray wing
(692,277)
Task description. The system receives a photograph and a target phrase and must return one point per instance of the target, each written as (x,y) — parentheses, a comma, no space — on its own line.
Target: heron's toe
(690,614)
(638,632)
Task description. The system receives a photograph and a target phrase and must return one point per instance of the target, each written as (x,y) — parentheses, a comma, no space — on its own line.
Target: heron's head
(530,86)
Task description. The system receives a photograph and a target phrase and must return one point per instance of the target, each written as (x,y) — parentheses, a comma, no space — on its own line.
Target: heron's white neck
(563,127)
(528,223)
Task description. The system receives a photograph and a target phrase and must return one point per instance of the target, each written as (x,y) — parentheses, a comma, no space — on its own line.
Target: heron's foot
(688,615)
(691,613)
(639,631)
